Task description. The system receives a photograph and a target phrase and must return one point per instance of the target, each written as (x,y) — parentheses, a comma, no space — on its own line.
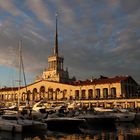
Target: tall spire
(56,39)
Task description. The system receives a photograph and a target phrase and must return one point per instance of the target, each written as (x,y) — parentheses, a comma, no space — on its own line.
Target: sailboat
(16,122)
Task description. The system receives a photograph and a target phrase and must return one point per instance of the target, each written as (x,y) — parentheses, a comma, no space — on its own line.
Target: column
(94,92)
(109,91)
(136,104)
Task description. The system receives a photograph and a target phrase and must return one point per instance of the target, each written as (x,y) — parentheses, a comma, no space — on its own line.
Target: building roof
(103,80)
(9,89)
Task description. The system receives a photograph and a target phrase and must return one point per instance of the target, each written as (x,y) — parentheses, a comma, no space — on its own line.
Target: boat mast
(21,69)
(19,74)
(22,66)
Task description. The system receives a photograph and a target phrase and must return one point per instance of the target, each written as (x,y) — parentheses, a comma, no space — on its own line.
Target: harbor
(97,97)
(73,121)
(122,133)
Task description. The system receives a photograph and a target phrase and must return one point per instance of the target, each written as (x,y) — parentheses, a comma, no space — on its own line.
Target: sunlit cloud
(95,37)
(40,10)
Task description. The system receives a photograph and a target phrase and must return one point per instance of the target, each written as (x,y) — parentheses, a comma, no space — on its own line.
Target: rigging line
(22,66)
(23,73)
(19,80)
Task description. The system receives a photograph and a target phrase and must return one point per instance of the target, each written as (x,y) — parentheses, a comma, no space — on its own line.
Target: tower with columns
(55,71)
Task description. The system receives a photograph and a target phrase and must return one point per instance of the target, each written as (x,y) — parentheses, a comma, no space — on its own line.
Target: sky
(96,37)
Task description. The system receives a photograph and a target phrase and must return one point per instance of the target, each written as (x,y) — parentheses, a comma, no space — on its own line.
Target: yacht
(15,123)
(98,119)
(6,125)
(61,121)
(122,115)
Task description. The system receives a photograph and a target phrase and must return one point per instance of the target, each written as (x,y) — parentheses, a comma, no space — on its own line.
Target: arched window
(97,93)
(113,92)
(77,94)
(64,94)
(29,95)
(90,94)
(105,93)
(57,91)
(34,94)
(50,93)
(42,92)
(23,96)
(83,96)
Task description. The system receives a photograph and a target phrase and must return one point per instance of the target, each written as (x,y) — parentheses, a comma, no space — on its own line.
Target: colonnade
(57,94)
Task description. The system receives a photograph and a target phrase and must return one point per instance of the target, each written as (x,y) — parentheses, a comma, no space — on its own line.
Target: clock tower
(55,71)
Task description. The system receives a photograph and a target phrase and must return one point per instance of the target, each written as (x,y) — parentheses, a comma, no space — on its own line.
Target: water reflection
(128,131)
(123,131)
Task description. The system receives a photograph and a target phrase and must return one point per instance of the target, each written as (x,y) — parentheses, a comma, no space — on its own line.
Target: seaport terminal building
(55,85)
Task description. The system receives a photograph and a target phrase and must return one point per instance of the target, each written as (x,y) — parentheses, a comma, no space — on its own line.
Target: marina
(57,105)
(122,132)
(67,118)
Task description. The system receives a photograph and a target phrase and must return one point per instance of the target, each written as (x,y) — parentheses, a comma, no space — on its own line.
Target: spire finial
(56,38)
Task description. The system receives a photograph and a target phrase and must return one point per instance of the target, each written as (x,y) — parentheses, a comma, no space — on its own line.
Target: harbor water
(122,131)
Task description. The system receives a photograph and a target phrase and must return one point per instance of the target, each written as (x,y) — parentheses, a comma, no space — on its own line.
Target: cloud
(9,6)
(95,37)
(40,10)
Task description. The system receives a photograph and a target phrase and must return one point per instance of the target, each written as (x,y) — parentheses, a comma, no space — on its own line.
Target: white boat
(63,123)
(60,121)
(10,126)
(125,116)
(122,115)
(10,112)
(14,123)
(101,119)
(38,111)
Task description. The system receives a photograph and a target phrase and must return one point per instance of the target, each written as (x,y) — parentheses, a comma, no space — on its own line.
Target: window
(64,94)
(77,94)
(34,93)
(105,93)
(42,92)
(97,93)
(90,94)
(113,92)
(83,96)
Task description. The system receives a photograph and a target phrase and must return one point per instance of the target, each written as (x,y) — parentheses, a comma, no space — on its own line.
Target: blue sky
(96,37)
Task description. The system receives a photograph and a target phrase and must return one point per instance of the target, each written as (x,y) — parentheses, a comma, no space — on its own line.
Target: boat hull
(125,117)
(13,123)
(63,123)
(99,121)
(11,127)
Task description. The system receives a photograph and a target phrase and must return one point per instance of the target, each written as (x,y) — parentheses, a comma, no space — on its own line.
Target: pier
(109,103)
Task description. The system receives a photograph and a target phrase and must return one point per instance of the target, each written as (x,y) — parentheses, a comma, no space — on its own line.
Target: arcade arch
(90,94)
(105,93)
(42,92)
